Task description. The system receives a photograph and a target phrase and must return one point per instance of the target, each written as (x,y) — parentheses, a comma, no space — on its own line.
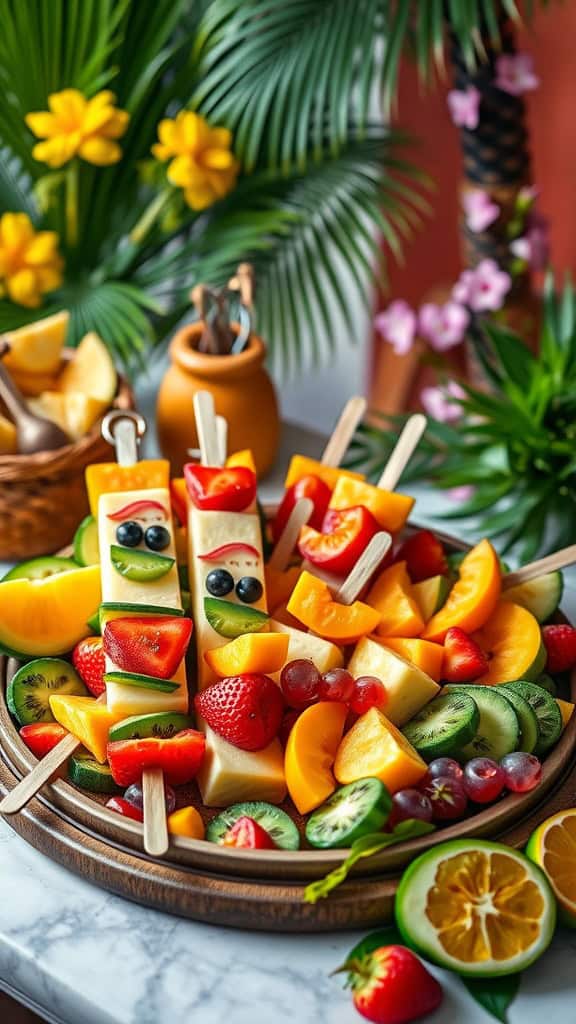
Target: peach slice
(473,597)
(310,752)
(312,603)
(250,652)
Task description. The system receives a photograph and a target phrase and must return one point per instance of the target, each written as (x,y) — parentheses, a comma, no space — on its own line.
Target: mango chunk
(392,595)
(301,465)
(422,653)
(376,748)
(251,652)
(389,508)
(87,720)
(310,752)
(312,603)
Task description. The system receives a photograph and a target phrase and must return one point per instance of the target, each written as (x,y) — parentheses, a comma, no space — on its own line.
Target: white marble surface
(80,956)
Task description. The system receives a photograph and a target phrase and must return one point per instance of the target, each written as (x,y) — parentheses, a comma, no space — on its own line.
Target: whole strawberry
(245,710)
(392,986)
(88,660)
(463,659)
(560,644)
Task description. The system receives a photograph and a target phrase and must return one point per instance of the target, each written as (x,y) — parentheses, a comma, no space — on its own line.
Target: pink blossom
(483,288)
(443,326)
(436,402)
(479,209)
(397,325)
(534,246)
(527,195)
(461,494)
(515,73)
(464,106)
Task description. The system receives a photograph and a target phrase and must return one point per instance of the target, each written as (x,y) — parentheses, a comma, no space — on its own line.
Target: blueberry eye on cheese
(219,582)
(249,589)
(129,534)
(157,538)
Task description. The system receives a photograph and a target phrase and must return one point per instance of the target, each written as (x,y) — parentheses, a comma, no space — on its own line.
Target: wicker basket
(43,496)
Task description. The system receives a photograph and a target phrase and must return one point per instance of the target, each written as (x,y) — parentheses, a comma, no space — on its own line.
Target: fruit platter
(260,716)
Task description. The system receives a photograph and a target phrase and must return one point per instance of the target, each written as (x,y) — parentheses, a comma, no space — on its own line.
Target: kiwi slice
(444,725)
(527,720)
(141,566)
(231,620)
(40,568)
(546,710)
(275,821)
(352,811)
(28,692)
(547,683)
(162,725)
(86,772)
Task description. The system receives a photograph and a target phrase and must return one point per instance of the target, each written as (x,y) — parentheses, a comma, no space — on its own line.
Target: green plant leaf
(389,936)
(495,995)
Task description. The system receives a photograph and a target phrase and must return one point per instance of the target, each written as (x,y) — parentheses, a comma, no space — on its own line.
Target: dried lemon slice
(553,847)
(477,908)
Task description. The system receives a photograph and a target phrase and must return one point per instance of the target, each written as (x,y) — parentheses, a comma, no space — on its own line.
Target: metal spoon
(33,433)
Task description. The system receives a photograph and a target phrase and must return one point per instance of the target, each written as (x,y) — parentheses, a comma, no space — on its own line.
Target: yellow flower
(30,264)
(203,165)
(75,126)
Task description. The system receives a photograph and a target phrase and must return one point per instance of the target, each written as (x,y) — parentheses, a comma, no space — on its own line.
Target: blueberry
(157,538)
(129,534)
(219,582)
(249,589)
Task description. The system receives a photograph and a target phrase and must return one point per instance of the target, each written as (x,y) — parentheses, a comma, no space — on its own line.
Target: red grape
(483,780)
(337,684)
(135,796)
(369,692)
(447,796)
(409,803)
(522,772)
(445,766)
(300,682)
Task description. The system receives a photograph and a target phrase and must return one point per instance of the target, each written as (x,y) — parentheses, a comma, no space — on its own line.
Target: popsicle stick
(298,518)
(156,839)
(206,426)
(364,569)
(222,430)
(403,451)
(552,563)
(344,431)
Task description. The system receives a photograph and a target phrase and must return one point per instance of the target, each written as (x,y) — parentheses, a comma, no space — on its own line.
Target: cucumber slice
(144,682)
(351,812)
(546,710)
(86,546)
(86,772)
(28,692)
(547,683)
(40,568)
(232,620)
(498,731)
(94,622)
(123,609)
(443,726)
(163,725)
(276,822)
(540,596)
(529,731)
(430,595)
(141,566)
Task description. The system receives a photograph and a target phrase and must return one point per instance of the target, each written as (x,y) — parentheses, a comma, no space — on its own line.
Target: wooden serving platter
(244,889)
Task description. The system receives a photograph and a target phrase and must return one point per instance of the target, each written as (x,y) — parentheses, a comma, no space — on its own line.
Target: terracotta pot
(243,394)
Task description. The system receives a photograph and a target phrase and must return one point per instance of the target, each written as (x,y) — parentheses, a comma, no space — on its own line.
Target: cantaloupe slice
(8,439)
(37,348)
(49,616)
(91,370)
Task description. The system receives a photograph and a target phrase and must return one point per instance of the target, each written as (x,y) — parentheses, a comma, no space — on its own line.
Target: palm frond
(15,186)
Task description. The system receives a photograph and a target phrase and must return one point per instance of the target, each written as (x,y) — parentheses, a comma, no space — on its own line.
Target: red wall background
(432,256)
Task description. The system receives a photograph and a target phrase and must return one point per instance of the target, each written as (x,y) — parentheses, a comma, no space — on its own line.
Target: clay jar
(243,394)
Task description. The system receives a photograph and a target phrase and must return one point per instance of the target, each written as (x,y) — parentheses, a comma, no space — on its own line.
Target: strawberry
(246,710)
(463,659)
(424,556)
(392,986)
(247,834)
(560,644)
(88,660)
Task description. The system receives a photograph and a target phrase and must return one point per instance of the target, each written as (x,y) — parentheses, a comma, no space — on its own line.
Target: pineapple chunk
(407,688)
(37,348)
(229,775)
(91,371)
(323,653)
(75,413)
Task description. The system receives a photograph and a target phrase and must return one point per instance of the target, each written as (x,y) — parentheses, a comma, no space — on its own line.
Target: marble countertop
(77,955)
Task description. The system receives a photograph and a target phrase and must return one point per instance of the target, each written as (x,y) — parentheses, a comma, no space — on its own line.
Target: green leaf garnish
(495,995)
(365,847)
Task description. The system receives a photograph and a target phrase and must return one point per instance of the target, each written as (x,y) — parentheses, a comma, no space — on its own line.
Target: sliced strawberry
(560,644)
(88,660)
(247,834)
(245,710)
(424,556)
(463,659)
(151,646)
(42,737)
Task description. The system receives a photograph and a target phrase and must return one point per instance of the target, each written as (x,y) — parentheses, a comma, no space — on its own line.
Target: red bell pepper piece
(220,489)
(345,534)
(309,486)
(125,808)
(151,646)
(247,834)
(424,556)
(179,757)
(41,737)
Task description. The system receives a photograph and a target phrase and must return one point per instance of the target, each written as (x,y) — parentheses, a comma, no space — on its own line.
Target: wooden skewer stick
(365,567)
(156,839)
(344,431)
(207,428)
(552,563)
(298,518)
(403,451)
(222,430)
